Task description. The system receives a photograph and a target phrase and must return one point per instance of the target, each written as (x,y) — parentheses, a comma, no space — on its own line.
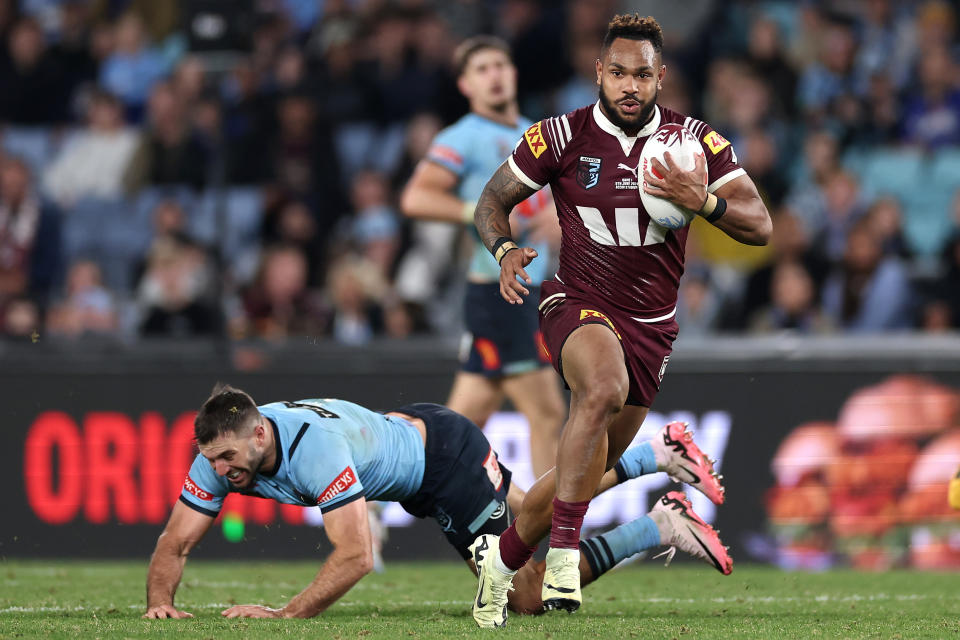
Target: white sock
(502,568)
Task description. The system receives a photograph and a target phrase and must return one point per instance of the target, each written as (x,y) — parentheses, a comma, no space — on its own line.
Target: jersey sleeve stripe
(557,134)
(199,509)
(521,176)
(725,178)
(566,127)
(555,147)
(330,507)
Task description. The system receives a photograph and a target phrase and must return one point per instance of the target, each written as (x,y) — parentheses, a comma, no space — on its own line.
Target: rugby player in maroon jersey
(608,316)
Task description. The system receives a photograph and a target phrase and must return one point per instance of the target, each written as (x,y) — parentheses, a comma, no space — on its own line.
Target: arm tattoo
(502,193)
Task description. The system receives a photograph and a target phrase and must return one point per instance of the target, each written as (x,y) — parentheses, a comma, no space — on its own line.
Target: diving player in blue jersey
(433,461)
(503,351)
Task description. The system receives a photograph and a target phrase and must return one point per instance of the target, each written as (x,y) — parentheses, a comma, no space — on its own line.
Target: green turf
(63,599)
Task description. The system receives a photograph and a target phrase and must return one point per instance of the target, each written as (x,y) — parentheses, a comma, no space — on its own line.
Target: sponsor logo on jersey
(191,487)
(341,483)
(535,140)
(588,314)
(493,470)
(588,172)
(716,142)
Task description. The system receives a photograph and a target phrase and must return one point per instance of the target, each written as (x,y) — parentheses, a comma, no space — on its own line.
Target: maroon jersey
(610,248)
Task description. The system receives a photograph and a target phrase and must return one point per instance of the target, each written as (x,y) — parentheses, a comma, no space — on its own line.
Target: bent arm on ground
(352,558)
(184,529)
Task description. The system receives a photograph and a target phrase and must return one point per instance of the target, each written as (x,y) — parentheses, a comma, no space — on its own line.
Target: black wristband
(501,247)
(718,211)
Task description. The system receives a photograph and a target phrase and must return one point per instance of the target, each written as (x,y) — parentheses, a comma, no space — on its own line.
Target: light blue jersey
(473,148)
(329,453)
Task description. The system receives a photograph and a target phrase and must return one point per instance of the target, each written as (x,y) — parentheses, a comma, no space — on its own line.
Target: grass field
(72,599)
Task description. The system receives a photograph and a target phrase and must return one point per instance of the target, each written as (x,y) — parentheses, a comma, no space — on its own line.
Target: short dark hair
(227,410)
(466,49)
(633,27)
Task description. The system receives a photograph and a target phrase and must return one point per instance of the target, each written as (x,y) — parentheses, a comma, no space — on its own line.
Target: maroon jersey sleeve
(536,158)
(722,165)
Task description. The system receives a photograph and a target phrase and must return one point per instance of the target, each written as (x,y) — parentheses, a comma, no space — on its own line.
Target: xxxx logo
(587,314)
(535,140)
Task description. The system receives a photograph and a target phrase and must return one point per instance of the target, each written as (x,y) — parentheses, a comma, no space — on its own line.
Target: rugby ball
(684,149)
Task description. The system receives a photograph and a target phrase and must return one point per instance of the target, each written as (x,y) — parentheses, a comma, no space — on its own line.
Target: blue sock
(636,462)
(605,551)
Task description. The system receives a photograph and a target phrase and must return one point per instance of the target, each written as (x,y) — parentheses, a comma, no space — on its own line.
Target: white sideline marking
(873,597)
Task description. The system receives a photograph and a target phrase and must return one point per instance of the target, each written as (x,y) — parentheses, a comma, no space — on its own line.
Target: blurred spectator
(887,44)
(33,88)
(793,302)
(374,227)
(301,156)
(356,289)
(766,58)
(885,219)
(758,155)
(820,161)
(941,308)
(581,88)
(133,67)
(291,223)
(88,307)
(825,82)
(790,243)
(843,206)
(97,161)
(174,155)
(74,49)
(932,114)
(30,242)
(698,303)
(20,319)
(248,117)
(175,292)
(279,304)
(867,292)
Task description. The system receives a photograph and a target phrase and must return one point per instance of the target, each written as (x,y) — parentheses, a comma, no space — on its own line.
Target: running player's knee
(604,396)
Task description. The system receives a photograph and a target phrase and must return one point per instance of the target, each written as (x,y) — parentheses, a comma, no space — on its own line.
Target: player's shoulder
(700,129)
(560,130)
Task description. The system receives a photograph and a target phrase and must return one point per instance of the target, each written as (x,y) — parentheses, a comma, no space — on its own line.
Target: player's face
(237,457)
(629,76)
(490,80)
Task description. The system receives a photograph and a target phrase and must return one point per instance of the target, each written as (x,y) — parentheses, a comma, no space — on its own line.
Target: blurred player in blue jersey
(503,351)
(433,461)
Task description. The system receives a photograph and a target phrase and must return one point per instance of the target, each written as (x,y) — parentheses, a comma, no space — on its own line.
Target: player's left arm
(745,217)
(352,558)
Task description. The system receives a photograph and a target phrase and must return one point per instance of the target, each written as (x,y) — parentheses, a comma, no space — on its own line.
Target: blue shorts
(502,339)
(464,485)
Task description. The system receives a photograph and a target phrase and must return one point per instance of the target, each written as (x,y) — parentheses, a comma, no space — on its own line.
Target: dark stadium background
(171,153)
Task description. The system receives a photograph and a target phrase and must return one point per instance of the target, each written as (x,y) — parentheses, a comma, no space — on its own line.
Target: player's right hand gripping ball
(684,149)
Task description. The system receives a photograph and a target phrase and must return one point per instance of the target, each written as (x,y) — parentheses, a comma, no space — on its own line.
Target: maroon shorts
(646,345)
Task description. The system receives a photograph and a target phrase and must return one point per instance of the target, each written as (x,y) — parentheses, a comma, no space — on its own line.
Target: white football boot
(561,580)
(490,607)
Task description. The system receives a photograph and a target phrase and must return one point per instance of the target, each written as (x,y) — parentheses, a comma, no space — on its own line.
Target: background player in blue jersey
(503,352)
(433,461)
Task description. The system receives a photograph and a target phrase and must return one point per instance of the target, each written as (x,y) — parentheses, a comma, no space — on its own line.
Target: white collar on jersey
(626,142)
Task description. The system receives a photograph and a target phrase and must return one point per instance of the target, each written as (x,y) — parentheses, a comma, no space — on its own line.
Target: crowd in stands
(147,190)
